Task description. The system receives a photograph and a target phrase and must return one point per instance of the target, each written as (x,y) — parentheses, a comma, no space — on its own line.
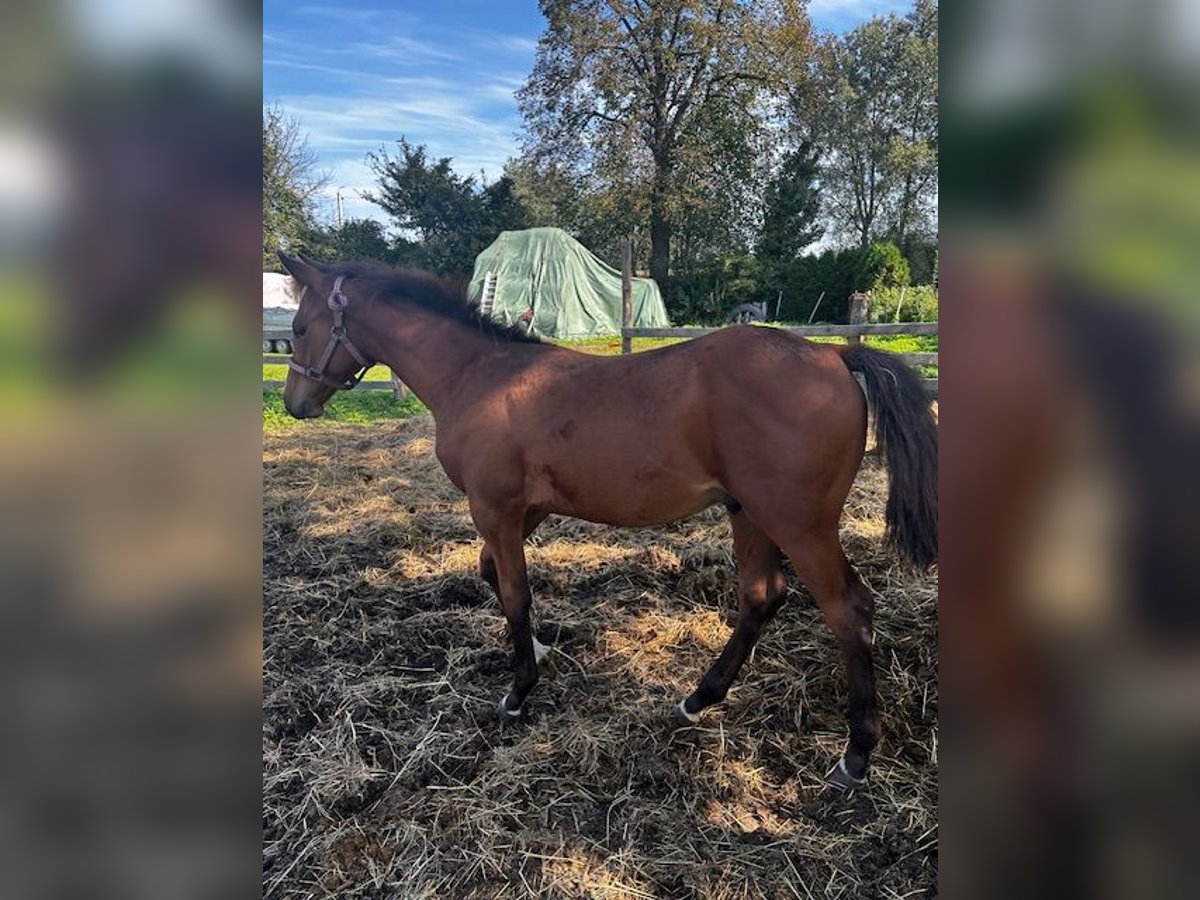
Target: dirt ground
(385,773)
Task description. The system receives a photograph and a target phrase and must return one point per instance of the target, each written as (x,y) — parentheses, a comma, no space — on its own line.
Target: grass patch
(904,343)
(610,345)
(278,372)
(346,407)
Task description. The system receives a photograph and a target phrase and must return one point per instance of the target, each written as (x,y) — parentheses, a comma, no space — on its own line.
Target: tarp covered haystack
(572,292)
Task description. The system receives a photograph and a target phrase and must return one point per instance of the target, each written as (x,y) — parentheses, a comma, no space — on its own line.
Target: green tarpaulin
(572,292)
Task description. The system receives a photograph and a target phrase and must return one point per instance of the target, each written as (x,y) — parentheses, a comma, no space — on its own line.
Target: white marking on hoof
(540,651)
(504,710)
(691,717)
(840,776)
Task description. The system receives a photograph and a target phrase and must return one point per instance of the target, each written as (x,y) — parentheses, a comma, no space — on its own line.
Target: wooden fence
(853,332)
(281,359)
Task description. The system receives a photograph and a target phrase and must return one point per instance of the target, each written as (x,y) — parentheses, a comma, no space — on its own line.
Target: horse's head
(324,359)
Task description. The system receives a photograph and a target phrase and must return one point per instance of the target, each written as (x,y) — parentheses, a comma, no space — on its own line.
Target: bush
(920,304)
(706,291)
(882,266)
(922,255)
(825,281)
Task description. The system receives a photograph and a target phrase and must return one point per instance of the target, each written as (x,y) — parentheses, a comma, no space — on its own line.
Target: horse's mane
(444,296)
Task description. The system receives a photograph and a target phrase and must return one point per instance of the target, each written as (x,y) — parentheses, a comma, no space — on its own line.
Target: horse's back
(742,383)
(768,371)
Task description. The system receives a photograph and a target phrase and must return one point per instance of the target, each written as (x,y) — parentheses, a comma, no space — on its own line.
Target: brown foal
(767,423)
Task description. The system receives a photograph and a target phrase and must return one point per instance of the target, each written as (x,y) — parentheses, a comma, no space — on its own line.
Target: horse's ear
(313,263)
(299,268)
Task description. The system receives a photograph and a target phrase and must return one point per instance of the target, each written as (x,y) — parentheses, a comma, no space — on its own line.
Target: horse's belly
(629,501)
(648,516)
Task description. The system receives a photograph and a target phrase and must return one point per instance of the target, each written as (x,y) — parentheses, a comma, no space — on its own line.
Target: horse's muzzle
(305,409)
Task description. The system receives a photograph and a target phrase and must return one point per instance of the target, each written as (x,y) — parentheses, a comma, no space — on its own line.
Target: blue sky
(359,75)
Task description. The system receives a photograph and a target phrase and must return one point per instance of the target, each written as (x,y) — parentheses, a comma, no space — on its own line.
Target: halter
(337,335)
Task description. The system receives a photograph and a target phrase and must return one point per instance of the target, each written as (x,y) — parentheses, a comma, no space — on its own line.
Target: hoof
(505,714)
(682,714)
(841,779)
(540,651)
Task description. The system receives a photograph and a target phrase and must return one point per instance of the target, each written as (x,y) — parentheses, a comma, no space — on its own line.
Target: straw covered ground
(386,774)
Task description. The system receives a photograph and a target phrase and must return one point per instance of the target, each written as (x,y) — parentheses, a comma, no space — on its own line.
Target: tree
(792,209)
(882,266)
(597,214)
(502,209)
(359,239)
(647,92)
(871,104)
(850,113)
(914,151)
(291,184)
(452,216)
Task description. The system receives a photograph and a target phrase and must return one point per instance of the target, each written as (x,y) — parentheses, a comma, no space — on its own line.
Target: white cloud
(449,119)
(387,76)
(513,43)
(399,49)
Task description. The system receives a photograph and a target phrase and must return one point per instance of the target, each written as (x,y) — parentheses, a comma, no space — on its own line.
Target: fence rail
(281,359)
(853,332)
(361,386)
(806,330)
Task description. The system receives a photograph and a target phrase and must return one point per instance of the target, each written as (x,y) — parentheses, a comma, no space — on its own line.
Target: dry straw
(386,775)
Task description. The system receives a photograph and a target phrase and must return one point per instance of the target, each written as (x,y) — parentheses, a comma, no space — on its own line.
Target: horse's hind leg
(848,607)
(761,590)
(487,571)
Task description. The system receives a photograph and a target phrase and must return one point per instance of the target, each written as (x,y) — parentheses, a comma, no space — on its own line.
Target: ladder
(488,301)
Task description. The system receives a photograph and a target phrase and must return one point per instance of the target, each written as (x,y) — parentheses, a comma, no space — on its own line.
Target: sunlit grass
(278,372)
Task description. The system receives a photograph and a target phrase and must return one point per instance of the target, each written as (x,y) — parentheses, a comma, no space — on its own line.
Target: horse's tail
(906,431)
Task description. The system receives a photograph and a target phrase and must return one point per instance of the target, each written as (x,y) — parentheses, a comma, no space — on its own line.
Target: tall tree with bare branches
(291,184)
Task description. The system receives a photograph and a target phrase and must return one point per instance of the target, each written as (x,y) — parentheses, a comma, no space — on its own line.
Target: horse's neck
(430,353)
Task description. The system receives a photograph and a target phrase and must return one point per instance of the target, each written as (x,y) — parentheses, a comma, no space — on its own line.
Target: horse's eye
(298,332)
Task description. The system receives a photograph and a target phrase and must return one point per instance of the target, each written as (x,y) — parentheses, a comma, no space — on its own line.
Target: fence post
(626,293)
(859,304)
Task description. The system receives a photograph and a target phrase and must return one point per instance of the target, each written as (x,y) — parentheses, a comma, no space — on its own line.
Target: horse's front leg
(502,565)
(488,572)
